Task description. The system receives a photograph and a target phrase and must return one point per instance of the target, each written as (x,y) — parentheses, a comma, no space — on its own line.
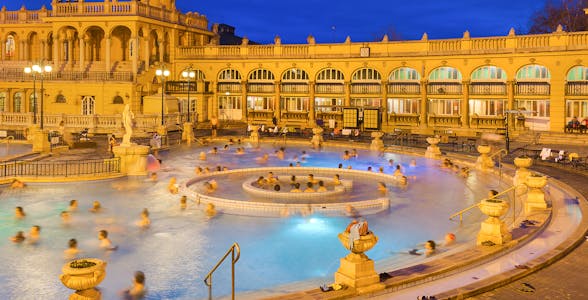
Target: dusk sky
(368,20)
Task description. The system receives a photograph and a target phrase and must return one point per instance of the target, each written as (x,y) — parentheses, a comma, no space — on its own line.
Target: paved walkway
(566,278)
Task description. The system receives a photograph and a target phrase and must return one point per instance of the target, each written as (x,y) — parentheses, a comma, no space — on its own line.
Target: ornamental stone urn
(535,195)
(522,163)
(254,137)
(493,229)
(317,138)
(356,269)
(484,161)
(433,150)
(83,275)
(377,143)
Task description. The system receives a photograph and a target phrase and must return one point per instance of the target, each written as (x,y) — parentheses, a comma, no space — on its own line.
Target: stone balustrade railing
(509,44)
(117,8)
(94,123)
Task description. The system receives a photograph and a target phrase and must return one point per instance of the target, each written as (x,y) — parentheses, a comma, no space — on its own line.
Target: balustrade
(404,119)
(404,88)
(329,88)
(444,120)
(488,88)
(532,88)
(366,88)
(229,87)
(444,88)
(294,88)
(577,88)
(490,122)
(260,88)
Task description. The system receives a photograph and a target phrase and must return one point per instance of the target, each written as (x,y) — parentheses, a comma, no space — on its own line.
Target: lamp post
(162,73)
(29,70)
(41,69)
(189,73)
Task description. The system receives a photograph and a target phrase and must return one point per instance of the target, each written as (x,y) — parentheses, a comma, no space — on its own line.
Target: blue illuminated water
(180,247)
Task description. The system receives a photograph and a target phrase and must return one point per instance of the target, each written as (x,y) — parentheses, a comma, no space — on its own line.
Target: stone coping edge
(535,265)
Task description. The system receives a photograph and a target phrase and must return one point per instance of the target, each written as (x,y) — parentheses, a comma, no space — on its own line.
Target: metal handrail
(498,152)
(208,279)
(461,212)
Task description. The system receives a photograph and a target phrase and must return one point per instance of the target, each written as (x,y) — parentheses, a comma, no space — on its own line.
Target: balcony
(488,88)
(444,88)
(264,88)
(181,87)
(579,88)
(294,88)
(228,87)
(329,88)
(404,119)
(532,88)
(488,122)
(259,116)
(366,88)
(404,88)
(444,120)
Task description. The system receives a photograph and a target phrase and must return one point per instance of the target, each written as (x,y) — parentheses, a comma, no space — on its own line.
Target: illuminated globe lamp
(162,74)
(83,275)
(356,269)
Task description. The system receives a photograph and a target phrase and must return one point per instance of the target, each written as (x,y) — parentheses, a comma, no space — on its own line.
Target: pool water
(180,247)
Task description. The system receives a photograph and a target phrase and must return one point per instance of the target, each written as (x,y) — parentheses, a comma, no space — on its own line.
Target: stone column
(135,57)
(146,51)
(423,113)
(244,99)
(26,50)
(107,58)
(3,49)
(465,99)
(56,43)
(385,101)
(277,100)
(82,54)
(311,105)
(347,100)
(161,50)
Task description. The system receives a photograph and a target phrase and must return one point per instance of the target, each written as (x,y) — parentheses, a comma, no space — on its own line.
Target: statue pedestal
(484,162)
(377,143)
(133,159)
(40,141)
(493,229)
(83,275)
(535,195)
(188,132)
(317,138)
(433,150)
(356,269)
(254,137)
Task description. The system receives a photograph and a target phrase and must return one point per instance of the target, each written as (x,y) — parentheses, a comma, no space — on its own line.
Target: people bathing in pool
(72,250)
(296,188)
(96,207)
(309,188)
(321,186)
(18,238)
(73,206)
(105,242)
(19,213)
(144,222)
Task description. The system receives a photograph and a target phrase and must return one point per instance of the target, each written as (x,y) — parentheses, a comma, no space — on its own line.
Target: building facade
(106,54)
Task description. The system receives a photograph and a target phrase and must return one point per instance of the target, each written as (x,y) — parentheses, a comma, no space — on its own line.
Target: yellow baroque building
(108,54)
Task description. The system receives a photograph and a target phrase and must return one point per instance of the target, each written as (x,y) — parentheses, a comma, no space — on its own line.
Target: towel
(560,156)
(545,153)
(353,234)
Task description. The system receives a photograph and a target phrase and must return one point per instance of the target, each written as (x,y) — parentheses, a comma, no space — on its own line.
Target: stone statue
(127,118)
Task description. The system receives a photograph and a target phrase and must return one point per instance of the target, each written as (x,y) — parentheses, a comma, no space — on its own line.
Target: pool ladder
(235,252)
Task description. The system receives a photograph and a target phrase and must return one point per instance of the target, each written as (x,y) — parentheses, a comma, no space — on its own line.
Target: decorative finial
(425,37)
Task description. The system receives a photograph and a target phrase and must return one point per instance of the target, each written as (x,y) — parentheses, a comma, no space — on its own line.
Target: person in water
(73,205)
(336,179)
(96,207)
(321,187)
(65,217)
(382,188)
(137,290)
(18,238)
(105,242)
(34,234)
(145,221)
(296,188)
(19,212)
(309,188)
(72,250)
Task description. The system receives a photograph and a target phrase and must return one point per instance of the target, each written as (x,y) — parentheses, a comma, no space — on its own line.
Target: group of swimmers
(449,165)
(273,182)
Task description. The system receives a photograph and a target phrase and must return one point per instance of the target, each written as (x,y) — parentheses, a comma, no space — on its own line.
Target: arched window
(18,102)
(10,46)
(60,99)
(198,74)
(229,75)
(445,74)
(404,74)
(578,73)
(533,73)
(489,73)
(261,75)
(295,74)
(3,102)
(366,75)
(118,100)
(330,75)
